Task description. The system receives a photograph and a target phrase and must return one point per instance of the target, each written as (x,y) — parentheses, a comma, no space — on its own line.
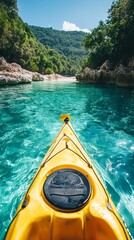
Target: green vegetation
(66,43)
(18,44)
(51,51)
(112,40)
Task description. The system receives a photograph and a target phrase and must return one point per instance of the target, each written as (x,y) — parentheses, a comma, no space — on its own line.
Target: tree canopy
(114,39)
(18,44)
(65,42)
(52,51)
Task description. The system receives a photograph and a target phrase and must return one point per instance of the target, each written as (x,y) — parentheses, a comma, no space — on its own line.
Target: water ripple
(103,118)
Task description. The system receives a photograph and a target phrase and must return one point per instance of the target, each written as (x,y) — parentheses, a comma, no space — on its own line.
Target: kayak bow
(66,199)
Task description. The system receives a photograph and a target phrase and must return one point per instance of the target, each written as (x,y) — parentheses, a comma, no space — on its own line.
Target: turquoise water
(103,118)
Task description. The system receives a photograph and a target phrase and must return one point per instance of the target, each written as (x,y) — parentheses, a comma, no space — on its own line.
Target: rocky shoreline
(121,76)
(13,74)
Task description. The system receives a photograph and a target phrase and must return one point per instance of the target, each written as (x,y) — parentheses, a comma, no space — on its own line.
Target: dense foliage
(18,44)
(113,40)
(51,51)
(66,43)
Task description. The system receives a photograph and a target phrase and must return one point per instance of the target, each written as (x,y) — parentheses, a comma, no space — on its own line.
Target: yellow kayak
(66,199)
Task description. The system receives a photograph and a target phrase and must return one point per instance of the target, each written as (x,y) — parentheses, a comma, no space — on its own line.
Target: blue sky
(64,14)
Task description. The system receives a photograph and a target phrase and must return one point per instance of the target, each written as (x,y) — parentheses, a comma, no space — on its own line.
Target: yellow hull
(45,212)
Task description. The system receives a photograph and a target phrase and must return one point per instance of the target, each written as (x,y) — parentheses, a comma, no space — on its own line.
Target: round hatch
(67,189)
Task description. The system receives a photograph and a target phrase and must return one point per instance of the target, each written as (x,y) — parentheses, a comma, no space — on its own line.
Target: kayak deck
(67,199)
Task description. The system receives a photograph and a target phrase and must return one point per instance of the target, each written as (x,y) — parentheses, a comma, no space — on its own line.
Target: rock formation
(105,66)
(13,73)
(120,76)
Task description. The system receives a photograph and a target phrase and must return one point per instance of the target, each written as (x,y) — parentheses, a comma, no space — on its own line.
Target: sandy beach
(57,77)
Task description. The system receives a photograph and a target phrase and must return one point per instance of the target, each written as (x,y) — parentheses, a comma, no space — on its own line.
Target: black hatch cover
(67,189)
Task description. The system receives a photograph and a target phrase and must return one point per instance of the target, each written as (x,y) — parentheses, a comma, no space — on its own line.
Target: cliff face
(121,76)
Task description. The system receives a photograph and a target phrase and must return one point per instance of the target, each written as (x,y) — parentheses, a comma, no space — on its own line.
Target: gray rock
(11,79)
(105,66)
(131,64)
(13,73)
(120,77)
(37,77)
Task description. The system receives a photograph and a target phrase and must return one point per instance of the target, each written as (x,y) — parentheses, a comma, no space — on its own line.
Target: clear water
(103,118)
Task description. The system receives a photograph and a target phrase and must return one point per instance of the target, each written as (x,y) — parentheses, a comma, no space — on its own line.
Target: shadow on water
(116,105)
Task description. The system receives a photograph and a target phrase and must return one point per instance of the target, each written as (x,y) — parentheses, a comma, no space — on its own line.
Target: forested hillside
(112,40)
(66,43)
(18,44)
(51,51)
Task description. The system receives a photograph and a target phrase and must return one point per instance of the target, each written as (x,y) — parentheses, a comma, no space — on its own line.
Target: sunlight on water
(103,118)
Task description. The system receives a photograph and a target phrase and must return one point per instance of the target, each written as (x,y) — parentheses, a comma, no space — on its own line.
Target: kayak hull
(38,218)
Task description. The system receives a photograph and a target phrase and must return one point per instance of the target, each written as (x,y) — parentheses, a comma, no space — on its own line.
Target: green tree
(10,4)
(66,43)
(121,30)
(99,46)
(18,44)
(112,40)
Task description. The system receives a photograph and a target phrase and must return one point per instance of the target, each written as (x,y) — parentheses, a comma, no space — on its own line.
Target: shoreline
(120,77)
(14,74)
(59,78)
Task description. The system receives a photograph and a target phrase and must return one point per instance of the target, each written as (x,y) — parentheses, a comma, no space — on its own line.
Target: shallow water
(103,118)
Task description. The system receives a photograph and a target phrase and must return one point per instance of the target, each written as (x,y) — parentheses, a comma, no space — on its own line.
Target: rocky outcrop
(105,66)
(131,63)
(13,73)
(120,76)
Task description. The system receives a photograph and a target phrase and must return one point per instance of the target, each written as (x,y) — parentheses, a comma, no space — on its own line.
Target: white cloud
(67,26)
(85,30)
